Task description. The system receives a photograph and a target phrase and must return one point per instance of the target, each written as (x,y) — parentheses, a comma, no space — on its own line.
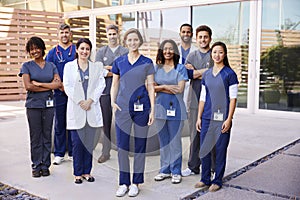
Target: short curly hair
(36,41)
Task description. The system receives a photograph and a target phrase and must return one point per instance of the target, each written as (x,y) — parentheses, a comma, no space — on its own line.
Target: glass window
(124,21)
(159,25)
(280,62)
(229,24)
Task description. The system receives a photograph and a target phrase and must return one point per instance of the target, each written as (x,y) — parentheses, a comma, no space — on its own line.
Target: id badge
(49,103)
(218,116)
(138,107)
(171,112)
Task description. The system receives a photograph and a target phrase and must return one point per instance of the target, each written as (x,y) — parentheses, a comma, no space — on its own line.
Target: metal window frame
(254,38)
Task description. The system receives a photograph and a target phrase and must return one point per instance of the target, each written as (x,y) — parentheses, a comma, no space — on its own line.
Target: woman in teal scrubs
(170,111)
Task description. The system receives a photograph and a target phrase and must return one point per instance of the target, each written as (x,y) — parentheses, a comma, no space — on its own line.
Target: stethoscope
(59,54)
(83,77)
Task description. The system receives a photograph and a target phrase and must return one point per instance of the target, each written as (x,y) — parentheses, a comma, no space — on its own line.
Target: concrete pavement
(254,136)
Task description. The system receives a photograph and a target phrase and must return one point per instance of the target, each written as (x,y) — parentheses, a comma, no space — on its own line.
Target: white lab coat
(76,116)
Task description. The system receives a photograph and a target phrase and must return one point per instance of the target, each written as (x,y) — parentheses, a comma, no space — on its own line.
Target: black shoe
(78,180)
(36,173)
(89,178)
(45,172)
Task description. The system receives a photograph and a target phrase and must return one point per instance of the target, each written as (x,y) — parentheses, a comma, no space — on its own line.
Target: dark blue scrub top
(217,91)
(60,56)
(132,81)
(44,75)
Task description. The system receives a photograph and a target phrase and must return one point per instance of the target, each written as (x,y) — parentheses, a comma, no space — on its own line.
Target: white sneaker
(121,190)
(70,158)
(133,190)
(161,176)
(187,172)
(58,160)
(176,178)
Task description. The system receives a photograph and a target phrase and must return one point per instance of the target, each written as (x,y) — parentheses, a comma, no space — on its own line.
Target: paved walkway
(253,137)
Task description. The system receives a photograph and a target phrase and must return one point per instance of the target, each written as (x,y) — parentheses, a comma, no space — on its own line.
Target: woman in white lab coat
(83,83)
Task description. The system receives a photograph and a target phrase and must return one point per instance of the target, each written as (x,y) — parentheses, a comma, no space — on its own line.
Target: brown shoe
(103,158)
(214,188)
(201,185)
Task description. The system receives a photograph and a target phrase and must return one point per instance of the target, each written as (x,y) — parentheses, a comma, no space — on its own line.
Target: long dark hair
(160,59)
(83,40)
(225,61)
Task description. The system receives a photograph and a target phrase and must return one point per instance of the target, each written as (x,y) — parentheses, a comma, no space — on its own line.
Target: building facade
(263,37)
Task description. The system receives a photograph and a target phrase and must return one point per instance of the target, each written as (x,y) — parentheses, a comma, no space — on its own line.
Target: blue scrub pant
(124,122)
(60,134)
(83,141)
(211,137)
(170,145)
(40,121)
(105,103)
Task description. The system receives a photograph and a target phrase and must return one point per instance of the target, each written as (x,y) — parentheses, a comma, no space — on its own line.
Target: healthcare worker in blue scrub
(61,54)
(216,109)
(40,78)
(132,99)
(170,110)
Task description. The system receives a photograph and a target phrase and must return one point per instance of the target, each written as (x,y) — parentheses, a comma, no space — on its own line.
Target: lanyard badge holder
(49,102)
(171,110)
(218,116)
(138,107)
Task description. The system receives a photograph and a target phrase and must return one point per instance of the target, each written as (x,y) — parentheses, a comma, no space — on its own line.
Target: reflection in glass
(280,60)
(232,29)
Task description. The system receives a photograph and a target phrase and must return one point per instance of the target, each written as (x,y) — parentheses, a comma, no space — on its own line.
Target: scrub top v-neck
(217,91)
(164,100)
(44,75)
(132,81)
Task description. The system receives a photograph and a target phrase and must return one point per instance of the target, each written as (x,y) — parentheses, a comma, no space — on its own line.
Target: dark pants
(40,121)
(83,141)
(105,103)
(124,121)
(211,137)
(60,135)
(194,158)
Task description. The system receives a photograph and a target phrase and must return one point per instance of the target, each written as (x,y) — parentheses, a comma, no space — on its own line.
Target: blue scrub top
(84,77)
(60,56)
(44,75)
(132,81)
(164,100)
(217,91)
(184,54)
